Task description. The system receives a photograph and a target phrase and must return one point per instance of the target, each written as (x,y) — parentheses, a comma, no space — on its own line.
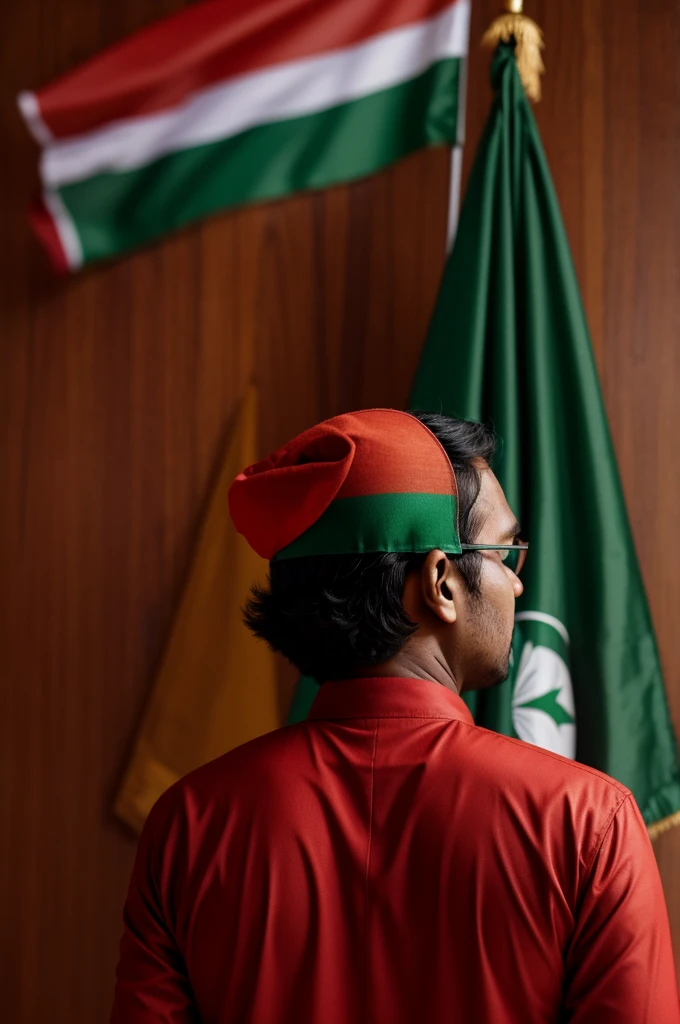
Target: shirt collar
(388,697)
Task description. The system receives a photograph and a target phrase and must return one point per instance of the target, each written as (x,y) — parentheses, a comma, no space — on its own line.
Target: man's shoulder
(539,785)
(270,769)
(519,756)
(255,763)
(501,758)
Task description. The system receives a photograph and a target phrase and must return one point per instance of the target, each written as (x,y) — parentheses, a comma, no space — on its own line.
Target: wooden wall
(116,387)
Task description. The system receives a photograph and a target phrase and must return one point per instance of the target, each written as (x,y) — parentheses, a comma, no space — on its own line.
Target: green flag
(303,698)
(508,344)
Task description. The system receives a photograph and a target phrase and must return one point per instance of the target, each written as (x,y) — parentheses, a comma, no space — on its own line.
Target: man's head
(338,615)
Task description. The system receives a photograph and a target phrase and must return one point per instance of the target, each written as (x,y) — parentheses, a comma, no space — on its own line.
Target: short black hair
(331,615)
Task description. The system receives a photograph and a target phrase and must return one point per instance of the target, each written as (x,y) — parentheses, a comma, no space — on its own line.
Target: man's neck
(415,664)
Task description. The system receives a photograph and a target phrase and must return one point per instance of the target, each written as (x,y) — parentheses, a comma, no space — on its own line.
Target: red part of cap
(373,451)
(277,499)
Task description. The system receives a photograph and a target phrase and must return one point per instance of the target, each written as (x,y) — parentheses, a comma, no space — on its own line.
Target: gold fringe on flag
(662,826)
(529,43)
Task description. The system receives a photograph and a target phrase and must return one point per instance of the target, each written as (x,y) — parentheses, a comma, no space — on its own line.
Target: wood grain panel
(116,387)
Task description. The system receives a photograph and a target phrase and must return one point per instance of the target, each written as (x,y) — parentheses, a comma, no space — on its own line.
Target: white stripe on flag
(284,91)
(30,110)
(68,236)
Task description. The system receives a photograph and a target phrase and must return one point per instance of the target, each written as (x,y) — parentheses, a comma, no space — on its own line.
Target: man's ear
(440,585)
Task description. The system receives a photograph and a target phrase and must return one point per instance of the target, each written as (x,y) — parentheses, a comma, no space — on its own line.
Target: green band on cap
(381,522)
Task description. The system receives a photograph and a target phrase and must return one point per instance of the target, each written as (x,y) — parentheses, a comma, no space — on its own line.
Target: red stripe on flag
(210,42)
(46,232)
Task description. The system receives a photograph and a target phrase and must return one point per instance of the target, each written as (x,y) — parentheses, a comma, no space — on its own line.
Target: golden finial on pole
(528,45)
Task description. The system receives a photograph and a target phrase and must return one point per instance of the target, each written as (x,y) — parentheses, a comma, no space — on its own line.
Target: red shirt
(387,861)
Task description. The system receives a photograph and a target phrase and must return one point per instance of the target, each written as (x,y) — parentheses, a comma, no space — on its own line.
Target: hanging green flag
(508,344)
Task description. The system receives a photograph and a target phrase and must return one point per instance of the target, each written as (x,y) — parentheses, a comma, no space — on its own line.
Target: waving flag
(238,101)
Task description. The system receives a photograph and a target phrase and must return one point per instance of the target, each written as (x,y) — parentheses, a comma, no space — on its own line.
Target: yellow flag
(217,686)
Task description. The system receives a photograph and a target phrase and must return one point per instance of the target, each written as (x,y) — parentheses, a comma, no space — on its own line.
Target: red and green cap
(368,481)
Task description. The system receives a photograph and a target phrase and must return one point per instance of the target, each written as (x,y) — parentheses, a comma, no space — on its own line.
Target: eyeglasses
(512,555)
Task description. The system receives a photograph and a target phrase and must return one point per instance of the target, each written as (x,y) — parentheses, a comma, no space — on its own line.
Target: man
(387,861)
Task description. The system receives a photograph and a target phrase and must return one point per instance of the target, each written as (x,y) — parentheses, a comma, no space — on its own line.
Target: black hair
(333,614)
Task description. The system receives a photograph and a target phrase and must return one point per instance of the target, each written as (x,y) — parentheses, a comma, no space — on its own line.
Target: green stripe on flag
(381,522)
(113,212)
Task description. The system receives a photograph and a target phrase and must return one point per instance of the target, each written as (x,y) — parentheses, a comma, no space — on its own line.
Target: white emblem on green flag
(543,710)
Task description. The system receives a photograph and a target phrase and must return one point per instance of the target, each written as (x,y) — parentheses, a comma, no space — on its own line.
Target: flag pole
(456,169)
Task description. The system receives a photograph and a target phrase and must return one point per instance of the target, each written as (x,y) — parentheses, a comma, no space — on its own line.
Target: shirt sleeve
(619,967)
(152,986)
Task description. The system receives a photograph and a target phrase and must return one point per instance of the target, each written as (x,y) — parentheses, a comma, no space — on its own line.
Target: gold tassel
(529,43)
(662,826)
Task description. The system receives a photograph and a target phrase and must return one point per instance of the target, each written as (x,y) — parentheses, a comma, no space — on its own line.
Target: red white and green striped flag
(239,101)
